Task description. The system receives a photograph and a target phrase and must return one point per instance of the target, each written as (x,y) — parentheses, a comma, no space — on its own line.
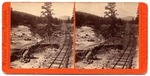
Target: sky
(60,9)
(66,9)
(123,9)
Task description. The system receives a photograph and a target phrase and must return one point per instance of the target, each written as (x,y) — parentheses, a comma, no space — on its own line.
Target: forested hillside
(100,24)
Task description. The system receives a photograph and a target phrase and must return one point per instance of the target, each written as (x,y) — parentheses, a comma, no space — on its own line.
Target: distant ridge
(128,18)
(64,17)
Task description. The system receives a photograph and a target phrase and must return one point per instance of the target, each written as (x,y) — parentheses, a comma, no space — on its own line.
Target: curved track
(60,60)
(124,60)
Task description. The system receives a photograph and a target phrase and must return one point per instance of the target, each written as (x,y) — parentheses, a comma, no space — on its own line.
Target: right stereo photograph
(106,35)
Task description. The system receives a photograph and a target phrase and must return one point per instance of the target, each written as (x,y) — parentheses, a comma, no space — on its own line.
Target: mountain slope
(128,18)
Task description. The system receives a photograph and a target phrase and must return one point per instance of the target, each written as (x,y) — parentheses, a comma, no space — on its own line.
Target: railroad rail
(60,60)
(124,60)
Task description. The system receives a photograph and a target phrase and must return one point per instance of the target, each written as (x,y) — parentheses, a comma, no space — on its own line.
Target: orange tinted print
(142,49)
(6,36)
(143,52)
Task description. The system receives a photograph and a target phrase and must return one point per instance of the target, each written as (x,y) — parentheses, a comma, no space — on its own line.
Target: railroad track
(60,60)
(124,60)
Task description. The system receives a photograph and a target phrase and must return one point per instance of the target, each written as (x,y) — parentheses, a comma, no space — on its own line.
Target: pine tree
(111,14)
(48,14)
(137,18)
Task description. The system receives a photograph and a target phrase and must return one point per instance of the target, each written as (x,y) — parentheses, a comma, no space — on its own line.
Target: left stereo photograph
(41,35)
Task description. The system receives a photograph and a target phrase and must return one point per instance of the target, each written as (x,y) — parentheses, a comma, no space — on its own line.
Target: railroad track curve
(60,60)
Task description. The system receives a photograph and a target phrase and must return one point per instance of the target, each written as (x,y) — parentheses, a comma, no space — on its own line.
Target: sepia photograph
(107,35)
(41,35)
(74,38)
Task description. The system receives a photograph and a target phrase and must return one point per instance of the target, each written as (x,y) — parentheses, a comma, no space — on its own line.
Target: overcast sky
(60,9)
(123,9)
(66,9)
